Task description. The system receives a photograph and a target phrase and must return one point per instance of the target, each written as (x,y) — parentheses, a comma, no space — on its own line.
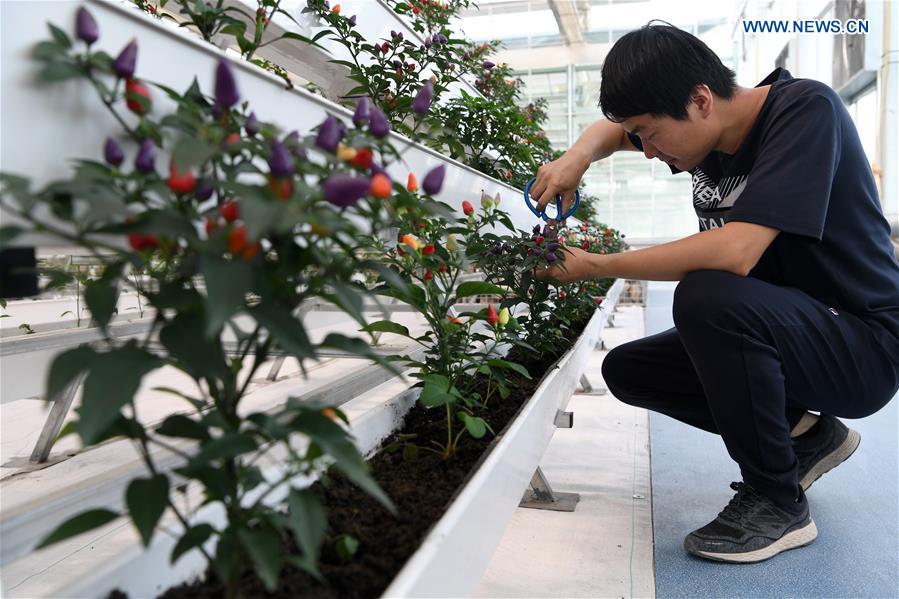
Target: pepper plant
(431,258)
(234,235)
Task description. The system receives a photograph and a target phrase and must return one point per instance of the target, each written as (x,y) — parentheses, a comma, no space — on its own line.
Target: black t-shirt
(801,169)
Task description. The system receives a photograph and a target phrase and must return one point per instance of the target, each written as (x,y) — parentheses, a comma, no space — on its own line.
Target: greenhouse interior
(296,294)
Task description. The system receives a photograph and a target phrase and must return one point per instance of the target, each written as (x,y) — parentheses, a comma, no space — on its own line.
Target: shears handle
(542,213)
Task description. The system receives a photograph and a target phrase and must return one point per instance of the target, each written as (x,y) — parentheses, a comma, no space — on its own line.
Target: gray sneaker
(823,447)
(753,528)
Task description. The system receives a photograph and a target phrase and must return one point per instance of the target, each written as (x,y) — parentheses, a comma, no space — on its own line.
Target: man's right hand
(560,176)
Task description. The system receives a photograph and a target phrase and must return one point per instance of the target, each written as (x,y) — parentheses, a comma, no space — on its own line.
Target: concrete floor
(605,547)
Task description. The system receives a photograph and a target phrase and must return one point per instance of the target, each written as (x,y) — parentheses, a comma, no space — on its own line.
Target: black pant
(745,360)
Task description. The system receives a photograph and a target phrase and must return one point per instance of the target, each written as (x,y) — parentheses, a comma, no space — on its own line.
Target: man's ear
(703,99)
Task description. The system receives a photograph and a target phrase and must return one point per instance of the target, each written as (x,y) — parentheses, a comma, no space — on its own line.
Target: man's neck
(738,115)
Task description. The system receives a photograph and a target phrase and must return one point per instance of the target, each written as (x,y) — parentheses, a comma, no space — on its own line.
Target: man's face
(683,144)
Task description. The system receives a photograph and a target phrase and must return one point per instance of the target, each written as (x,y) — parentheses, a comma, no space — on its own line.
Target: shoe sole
(796,538)
(832,460)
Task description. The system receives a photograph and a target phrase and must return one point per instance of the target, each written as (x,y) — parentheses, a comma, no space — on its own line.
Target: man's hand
(560,176)
(578,265)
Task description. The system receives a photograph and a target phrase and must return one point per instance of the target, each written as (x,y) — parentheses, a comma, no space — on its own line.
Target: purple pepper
(392,33)
(327,5)
(126,61)
(377,169)
(396,64)
(353,20)
(550,257)
(488,65)
(360,117)
(293,144)
(86,27)
(507,247)
(466,55)
(399,35)
(377,124)
(215,111)
(145,161)
(329,134)
(251,125)
(112,152)
(428,43)
(204,189)
(433,181)
(536,229)
(552,247)
(496,250)
(280,161)
(422,102)
(345,190)
(226,94)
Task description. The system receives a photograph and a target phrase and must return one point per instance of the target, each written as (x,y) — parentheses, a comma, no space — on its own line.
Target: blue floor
(854,508)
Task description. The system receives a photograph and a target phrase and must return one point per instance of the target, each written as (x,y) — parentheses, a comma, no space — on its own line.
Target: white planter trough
(462,541)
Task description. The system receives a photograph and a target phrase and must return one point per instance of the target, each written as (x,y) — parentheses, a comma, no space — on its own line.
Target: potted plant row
(231,218)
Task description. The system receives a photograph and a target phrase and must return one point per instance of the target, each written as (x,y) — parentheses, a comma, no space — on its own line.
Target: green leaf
(147,499)
(190,152)
(335,441)
(184,338)
(179,425)
(264,547)
(287,331)
(346,547)
(475,426)
(227,284)
(386,326)
(81,523)
(510,366)
(435,391)
(470,288)
(348,298)
(101,297)
(306,518)
(66,366)
(354,345)
(59,36)
(227,446)
(196,403)
(47,50)
(410,452)
(59,71)
(113,381)
(194,537)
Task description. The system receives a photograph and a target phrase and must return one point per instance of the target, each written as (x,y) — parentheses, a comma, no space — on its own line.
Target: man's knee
(617,372)
(703,293)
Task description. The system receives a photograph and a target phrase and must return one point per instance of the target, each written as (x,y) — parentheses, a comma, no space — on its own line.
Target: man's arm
(735,248)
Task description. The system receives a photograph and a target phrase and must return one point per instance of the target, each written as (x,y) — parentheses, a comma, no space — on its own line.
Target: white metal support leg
(55,419)
(542,497)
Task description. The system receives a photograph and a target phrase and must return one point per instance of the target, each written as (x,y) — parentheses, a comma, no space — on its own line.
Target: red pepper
(540,239)
(211,225)
(563,295)
(586,245)
(363,158)
(282,188)
(429,249)
(237,240)
(181,182)
(467,208)
(230,211)
(442,268)
(140,242)
(137,97)
(492,316)
(428,276)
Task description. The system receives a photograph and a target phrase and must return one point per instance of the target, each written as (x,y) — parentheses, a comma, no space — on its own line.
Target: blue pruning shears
(560,216)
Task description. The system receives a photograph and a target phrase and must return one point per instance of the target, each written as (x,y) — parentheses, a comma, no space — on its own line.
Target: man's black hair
(655,69)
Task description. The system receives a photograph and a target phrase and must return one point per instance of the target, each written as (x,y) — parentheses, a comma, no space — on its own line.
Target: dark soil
(421,489)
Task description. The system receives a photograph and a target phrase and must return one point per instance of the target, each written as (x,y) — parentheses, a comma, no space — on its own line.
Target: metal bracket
(588,389)
(53,424)
(564,419)
(542,497)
